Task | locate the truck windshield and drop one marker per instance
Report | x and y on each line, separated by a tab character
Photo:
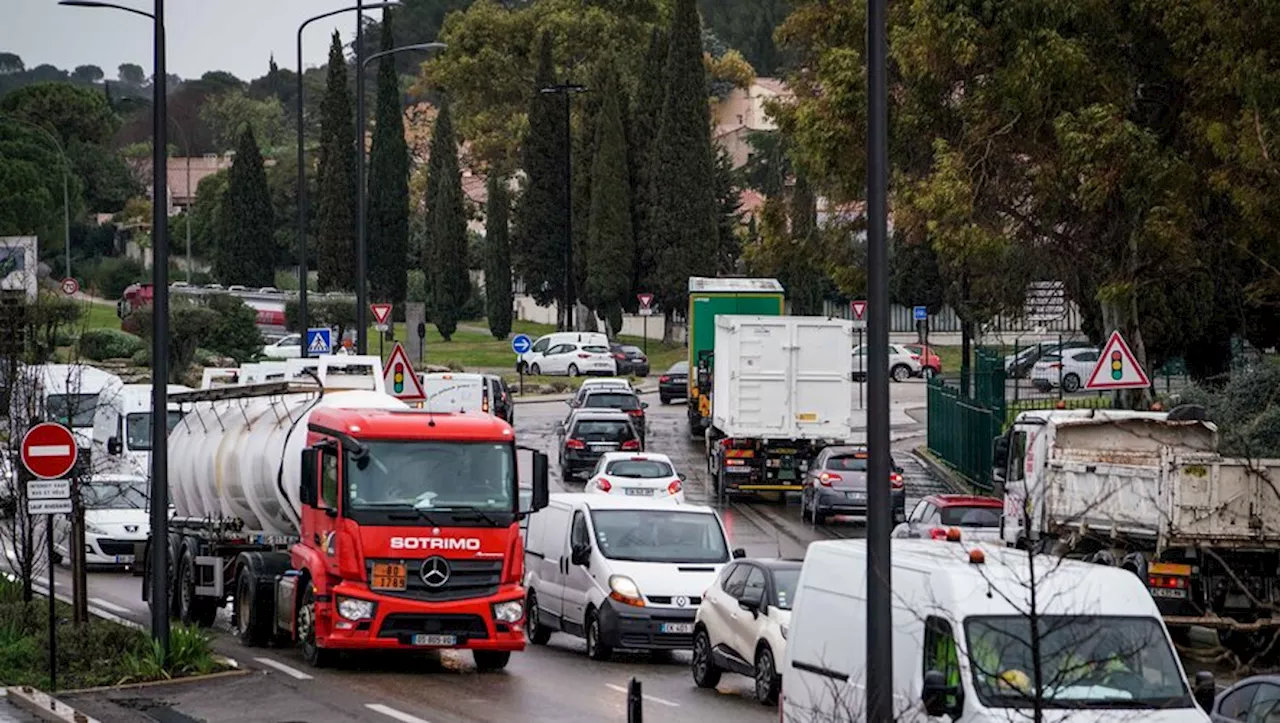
659	536
428	476
1086	662
73	410
137	429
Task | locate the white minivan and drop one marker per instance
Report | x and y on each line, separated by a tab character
542	344
122	427
961	638
622	573
67	394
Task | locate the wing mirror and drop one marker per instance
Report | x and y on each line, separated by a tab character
1205	689
739	553
581	554
307	490
114	447
934	693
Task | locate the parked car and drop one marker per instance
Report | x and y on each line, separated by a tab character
543	344
902	364
628	474
503	405
1018	366
977	517
286	347
930	363
612	398
836	484
589	433
1071	369
631	359
575	359
741	626
675	383
1252	699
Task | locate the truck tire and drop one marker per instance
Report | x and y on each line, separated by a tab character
253	626
490	661
538	633
317	656
193	610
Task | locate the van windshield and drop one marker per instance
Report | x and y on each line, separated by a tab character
73	410
1086	661
659	536
137	429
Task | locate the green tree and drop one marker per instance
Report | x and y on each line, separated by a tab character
226	114
497	258
609	233
236	332
450	283
30	183
388	216
685	218
108	182
246	254
729	214
644	131
207	218
337	174
89	74
73	113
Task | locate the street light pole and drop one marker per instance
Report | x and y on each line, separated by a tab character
362	288
569	296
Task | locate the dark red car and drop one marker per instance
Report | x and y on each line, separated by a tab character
978	518
930	363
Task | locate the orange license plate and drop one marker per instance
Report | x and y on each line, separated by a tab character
388	576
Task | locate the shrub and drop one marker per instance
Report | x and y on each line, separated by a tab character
236	333
112	276
100	344
141	357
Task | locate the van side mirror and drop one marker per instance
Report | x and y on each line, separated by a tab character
934	693
1205	689
309	488
113	446
580	554
739	553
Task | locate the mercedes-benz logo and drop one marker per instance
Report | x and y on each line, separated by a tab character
681	601
435	571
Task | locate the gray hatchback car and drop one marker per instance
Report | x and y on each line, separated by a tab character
836	484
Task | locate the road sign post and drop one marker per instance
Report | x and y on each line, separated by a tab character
646	310
49	452
381	322
521	343
422	342
859	309
319	340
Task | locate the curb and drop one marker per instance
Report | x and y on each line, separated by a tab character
941	470
44	706
168	681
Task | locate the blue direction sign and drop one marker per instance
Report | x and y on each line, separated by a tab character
521	343
319	341
920	313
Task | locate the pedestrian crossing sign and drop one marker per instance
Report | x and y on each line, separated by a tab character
1117	368
319	341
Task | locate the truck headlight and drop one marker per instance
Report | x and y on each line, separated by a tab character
624	590
508	612
355	609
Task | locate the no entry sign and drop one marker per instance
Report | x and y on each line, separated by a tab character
49	450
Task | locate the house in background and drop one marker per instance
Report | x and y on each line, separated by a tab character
743	112
186	173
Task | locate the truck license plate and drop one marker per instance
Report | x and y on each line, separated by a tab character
435	640
678	628
388	576
124	559
1168	592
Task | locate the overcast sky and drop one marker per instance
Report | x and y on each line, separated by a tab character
237	36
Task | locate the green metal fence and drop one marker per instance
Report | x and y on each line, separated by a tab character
961	430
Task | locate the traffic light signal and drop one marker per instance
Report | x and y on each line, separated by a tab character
397	381
1117	366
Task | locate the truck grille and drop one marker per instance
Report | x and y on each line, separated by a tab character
467	579
466	627
115	547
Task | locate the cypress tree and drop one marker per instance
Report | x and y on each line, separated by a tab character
538	221
388	213
684	230
644	131
449	284
337	178
244	254
802	271
497	258
609	233
584	153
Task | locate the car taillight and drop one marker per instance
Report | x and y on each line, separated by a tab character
631	444
895	479
636	412
620	357
826	478
937	533
664	379
674	487
915	357
603	484
583	356
575	444
1055	366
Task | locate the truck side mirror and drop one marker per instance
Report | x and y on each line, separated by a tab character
309	487
113	446
1205	689
934	693
541	486
1000	452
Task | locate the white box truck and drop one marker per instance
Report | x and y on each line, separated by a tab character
782	389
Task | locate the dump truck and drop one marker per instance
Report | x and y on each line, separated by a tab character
332	516
782	390
1149	492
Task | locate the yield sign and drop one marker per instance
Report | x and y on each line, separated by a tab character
1117	368
399	377
49	450
646	300
859	308
381	312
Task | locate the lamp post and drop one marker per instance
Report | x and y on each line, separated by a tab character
362	248
566	90
302	170
158	558
66	169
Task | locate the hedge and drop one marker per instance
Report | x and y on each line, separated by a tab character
100	344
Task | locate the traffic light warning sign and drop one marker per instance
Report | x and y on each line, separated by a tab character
400	378
1117	368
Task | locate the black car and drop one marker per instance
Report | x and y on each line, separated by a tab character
589	433
623	400
503	405
836	484
675	383
631	360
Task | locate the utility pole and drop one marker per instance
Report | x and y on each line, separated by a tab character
362	250
570	297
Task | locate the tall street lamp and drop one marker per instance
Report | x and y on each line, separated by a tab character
362	248
159	552
302	170
567	90
66	170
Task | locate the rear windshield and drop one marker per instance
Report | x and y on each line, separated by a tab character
639	469
603	430
848	463
632	350
971	516
596	349
613	401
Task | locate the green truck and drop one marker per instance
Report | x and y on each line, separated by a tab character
709	298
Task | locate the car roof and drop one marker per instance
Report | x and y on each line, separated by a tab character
599	413
613	502
629	456
774	563
606	382
965	501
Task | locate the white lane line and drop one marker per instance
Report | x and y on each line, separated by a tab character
109	605
393	713
49	450
286	669
646	696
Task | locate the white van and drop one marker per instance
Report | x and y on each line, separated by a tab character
122	428
455	392
961	639
620	572
543	343
68	394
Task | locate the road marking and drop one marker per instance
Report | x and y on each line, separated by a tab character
393	713
49	450
109	605
286	669
646	696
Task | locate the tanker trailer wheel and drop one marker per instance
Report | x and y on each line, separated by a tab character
193	610
315	655
252	621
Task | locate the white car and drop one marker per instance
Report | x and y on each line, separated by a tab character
742	624
115	520
903	364
1071	369
574	359
543	344
630	474
287	347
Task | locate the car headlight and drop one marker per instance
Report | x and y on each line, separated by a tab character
93	529
624	590
355	609
508	612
